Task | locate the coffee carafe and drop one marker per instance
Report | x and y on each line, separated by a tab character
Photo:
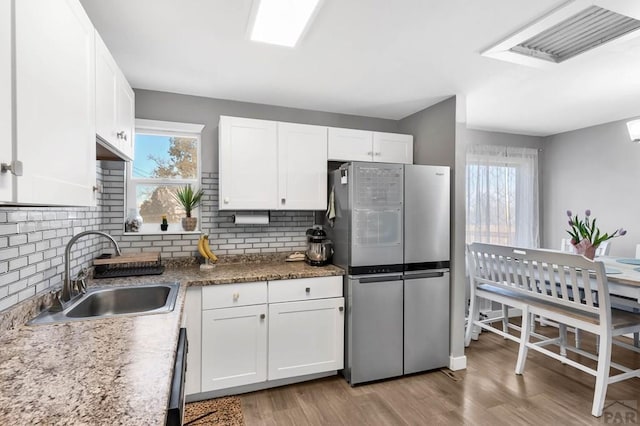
319	248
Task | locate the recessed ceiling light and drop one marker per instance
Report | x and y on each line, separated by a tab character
281	22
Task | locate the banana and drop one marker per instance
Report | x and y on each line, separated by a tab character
207	249
201	250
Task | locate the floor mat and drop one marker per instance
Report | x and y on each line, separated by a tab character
225	411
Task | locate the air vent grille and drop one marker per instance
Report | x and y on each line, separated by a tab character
584	31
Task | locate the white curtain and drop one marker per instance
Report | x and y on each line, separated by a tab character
502	195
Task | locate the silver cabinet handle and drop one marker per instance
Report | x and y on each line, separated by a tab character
122	135
226	201
370	153
307	290
15	167
377	154
262	316
283	201
341	308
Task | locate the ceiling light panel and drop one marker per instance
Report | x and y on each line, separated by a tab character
281	22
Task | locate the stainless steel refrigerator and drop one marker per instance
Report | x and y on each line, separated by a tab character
391	234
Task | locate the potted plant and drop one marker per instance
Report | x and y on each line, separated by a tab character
586	236
164	225
189	199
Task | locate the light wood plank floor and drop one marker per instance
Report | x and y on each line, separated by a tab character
487	393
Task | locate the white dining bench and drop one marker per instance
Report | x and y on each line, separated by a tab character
544	283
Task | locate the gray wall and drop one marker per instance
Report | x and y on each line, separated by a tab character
154	105
595	168
434	131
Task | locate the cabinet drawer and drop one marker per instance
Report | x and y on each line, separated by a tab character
305	289
229	295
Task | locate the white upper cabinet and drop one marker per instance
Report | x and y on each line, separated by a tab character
115	105
6	114
392	148
266	165
248	167
362	145
302	167
55	103
350	145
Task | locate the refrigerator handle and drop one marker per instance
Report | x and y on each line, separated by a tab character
380	279
424	275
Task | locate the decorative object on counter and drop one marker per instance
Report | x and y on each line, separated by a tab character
189	199
164	225
127	265
319	247
586	236
205	251
296	257
133	222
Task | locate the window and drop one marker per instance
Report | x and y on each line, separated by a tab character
502	195
166	156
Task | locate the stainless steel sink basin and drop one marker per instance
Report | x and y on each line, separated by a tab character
106	302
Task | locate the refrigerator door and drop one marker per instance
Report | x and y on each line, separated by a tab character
426	321
376	199
374	328
426	214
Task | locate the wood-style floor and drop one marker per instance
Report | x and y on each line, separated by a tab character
487	393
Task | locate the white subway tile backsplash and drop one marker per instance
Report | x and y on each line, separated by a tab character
32	240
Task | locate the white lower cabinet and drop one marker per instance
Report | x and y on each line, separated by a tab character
251	333
234	347
305	337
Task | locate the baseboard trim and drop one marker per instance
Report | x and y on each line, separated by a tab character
457	363
256	386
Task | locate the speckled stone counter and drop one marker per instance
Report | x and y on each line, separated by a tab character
109	371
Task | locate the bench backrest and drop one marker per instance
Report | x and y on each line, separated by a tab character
548	276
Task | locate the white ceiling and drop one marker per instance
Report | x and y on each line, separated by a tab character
376	58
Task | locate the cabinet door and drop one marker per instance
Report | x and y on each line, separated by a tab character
234	347
6	115
302	167
306	337
55	103
248	165
392	148
350	145
125	116
106	69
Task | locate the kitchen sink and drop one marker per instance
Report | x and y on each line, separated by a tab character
108	302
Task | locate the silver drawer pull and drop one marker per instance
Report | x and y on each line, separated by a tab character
307	290
262	316
236	296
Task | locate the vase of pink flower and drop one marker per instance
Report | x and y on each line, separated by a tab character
586	236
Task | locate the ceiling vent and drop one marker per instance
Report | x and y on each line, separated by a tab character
568	31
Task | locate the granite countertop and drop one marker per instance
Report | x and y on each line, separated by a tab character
108	371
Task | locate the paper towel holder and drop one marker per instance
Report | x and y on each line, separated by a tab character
251	218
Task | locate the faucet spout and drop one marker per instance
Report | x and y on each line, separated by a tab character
66	285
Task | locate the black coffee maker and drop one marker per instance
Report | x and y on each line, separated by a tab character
319	248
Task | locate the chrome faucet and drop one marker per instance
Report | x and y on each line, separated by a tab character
67	285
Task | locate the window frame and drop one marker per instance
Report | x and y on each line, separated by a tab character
171	129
